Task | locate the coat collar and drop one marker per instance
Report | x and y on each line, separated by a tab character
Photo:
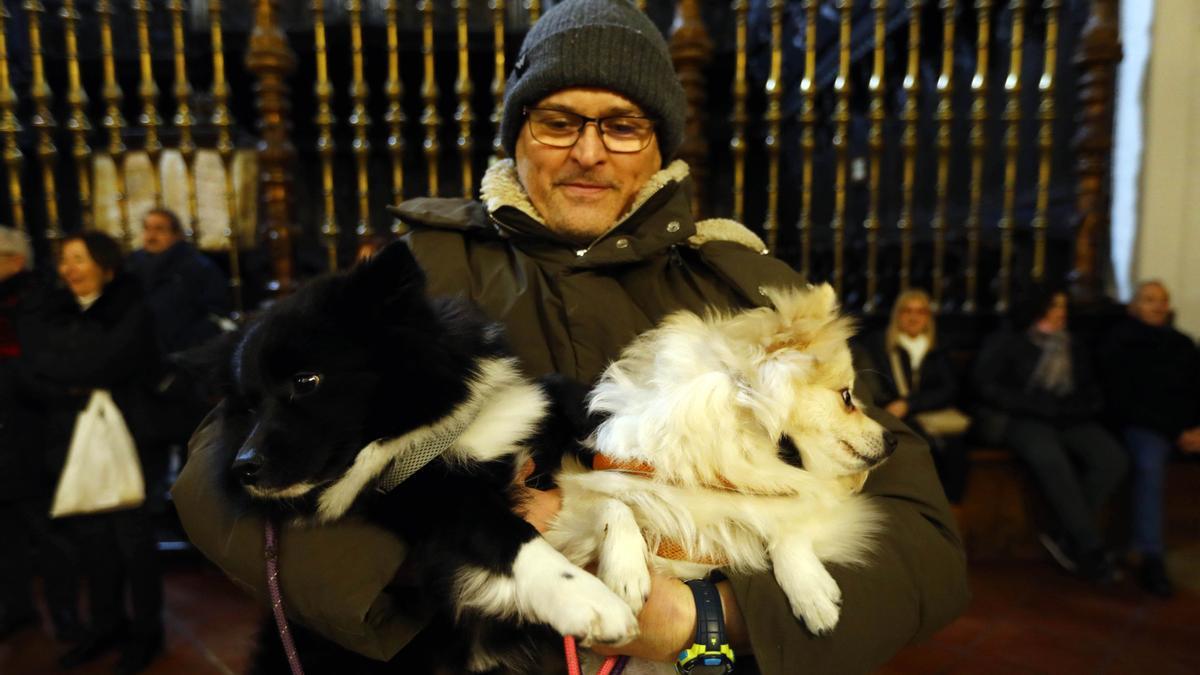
660	218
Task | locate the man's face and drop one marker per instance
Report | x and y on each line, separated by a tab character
157	233
582	191
1151	305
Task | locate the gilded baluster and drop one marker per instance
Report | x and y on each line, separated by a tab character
464	90
184	120
841	143
223	121
429	94
908	141
498	82
979	88
737	144
1095	58
945	115
148	91
43	121
325	144
1012	121
77	121
271	60
9	128
691	50
534	7
113	122
395	118
875	87
773	118
360	120
808	119
1046	113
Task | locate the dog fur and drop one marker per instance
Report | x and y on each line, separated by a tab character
331	385
720	407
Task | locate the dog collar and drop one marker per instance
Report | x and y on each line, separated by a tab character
412	457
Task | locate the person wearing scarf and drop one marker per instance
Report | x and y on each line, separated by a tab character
1039	393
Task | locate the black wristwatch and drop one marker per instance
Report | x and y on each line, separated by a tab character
710	653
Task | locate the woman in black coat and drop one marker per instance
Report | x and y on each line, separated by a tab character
908	373
1038	389
98	334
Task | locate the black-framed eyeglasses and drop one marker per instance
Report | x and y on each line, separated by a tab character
562	129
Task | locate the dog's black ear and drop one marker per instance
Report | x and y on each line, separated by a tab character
209	362
390	275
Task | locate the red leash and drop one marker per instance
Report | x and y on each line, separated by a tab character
613	665
271	548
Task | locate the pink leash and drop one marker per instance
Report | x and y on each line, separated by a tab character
271	548
612	665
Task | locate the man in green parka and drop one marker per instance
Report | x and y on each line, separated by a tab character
580	243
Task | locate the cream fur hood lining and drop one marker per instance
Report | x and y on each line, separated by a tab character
501	187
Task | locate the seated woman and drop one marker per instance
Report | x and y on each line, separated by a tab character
1036	385
908	374
1152	378
97	333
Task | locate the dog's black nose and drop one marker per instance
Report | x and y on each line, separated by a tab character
889	443
247	465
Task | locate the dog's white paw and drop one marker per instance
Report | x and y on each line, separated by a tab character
814	595
556	592
626	573
820	607
621	561
587	609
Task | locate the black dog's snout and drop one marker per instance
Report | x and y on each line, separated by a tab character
889	443
247	465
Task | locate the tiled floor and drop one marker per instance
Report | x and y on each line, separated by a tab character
1024	618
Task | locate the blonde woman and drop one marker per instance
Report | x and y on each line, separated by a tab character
910	377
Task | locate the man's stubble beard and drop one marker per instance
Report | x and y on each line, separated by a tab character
583	222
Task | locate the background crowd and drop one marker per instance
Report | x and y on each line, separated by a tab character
103	323
1084	416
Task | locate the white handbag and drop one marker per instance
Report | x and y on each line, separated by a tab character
102	471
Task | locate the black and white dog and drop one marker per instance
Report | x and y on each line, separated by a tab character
358	395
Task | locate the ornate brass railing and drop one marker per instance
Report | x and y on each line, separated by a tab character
926	190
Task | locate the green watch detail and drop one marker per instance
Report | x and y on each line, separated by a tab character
710	653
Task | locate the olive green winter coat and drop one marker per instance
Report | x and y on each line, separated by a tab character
569	310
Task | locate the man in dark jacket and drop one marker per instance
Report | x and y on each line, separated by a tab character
185	290
1152	378
580	243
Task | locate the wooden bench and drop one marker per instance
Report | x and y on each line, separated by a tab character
1001	511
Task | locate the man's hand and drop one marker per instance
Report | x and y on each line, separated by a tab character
538	507
898	408
668	619
1189	440
668	622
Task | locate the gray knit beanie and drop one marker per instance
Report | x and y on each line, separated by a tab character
607	44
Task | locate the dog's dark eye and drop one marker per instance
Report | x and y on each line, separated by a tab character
847	399
304	384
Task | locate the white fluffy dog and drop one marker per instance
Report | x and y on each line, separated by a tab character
702	416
